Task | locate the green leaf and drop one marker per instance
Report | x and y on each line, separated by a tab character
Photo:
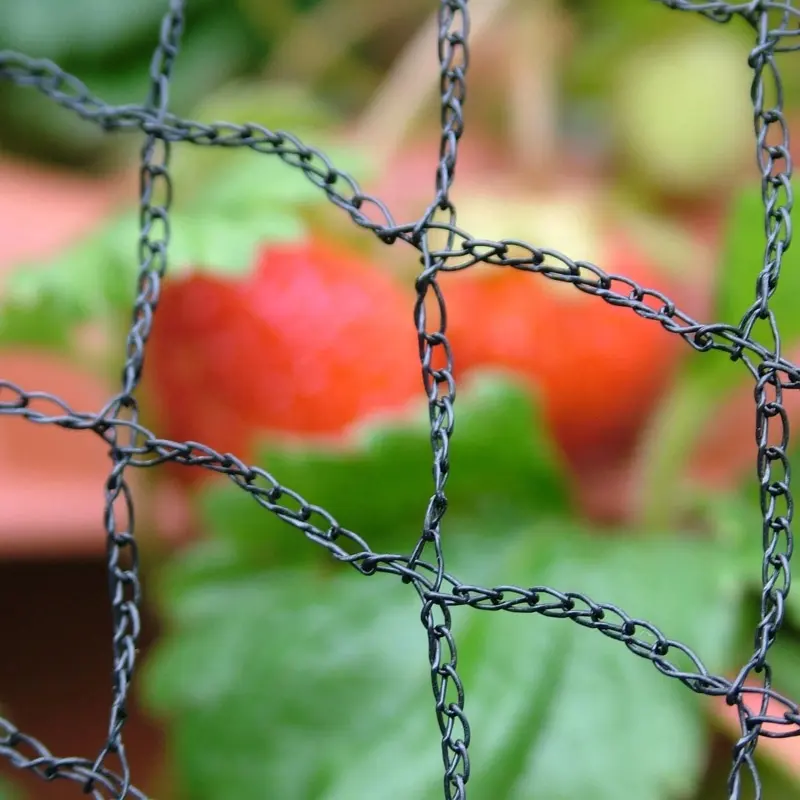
221	245
318	686
9	792
227	203
249	183
609	30
504	468
221	216
737	518
278	106
40	322
213	50
41	303
218	228
235	180
704	382
244	182
706	378
743	259
52	29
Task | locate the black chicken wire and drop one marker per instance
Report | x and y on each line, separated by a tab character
777	30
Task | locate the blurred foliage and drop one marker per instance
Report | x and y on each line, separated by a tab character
276	670
345	657
217	224
609	28
707	379
497	420
8	792
742	261
110	49
340	50
109	46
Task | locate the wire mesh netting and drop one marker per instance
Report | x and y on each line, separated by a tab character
443	246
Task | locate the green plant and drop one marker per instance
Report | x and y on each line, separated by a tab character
276	668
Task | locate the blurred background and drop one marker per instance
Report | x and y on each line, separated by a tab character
615	131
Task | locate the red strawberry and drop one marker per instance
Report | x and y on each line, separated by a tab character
598	369
313	340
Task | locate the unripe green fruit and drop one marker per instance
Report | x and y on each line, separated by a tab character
683	113
568	222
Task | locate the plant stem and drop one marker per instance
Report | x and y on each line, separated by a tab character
536	38
319	38
665	451
411	83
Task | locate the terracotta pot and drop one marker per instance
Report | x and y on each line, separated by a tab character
52	478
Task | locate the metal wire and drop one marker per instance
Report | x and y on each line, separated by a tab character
132	445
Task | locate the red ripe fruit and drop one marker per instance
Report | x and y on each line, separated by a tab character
314	340
598	369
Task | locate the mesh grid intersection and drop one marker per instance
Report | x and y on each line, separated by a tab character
776	27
